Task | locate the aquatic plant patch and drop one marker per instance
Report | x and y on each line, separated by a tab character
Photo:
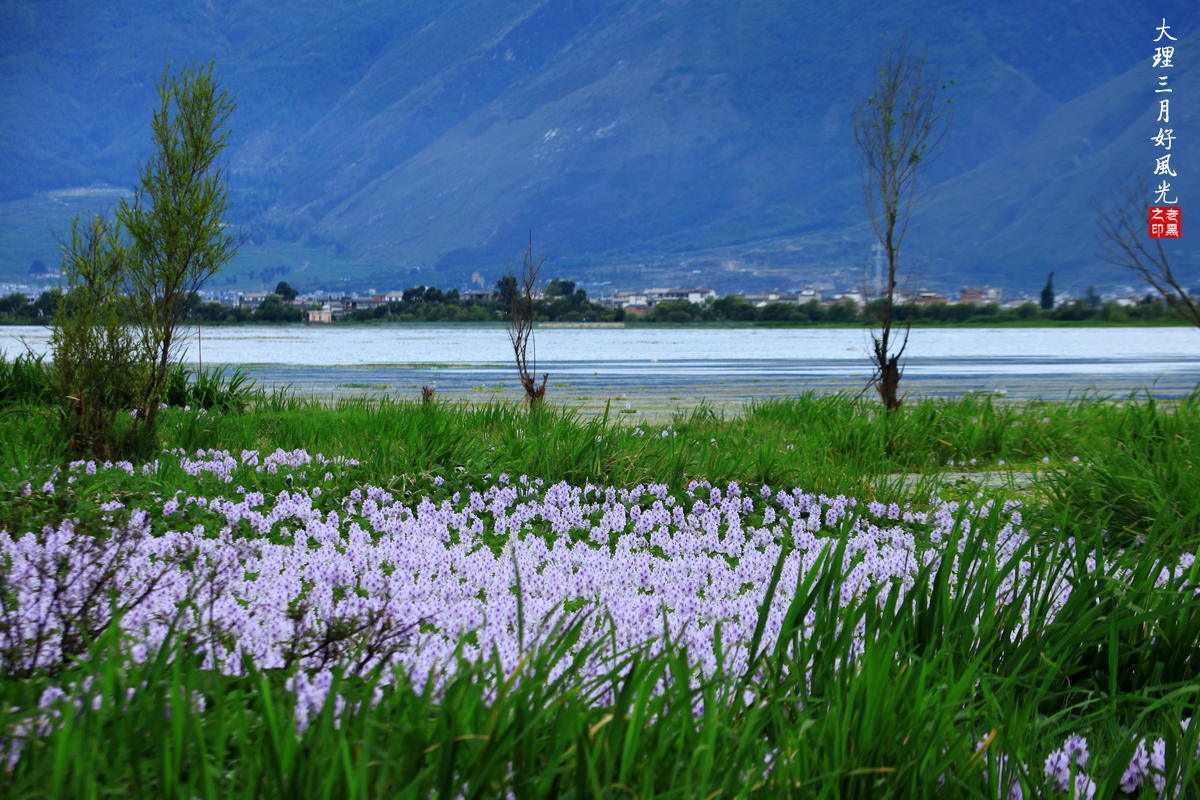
281	562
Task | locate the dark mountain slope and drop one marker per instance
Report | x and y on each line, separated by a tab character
1028	207
624	132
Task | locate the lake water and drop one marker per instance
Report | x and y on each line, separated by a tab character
652	367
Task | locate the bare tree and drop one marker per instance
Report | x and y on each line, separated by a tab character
1122	233
520	325
898	129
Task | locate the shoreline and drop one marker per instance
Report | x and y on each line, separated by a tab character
638	325
648	398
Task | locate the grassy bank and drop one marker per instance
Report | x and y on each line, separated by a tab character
378	599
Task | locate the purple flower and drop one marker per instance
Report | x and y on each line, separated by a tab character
295	563
1059	764
1137	770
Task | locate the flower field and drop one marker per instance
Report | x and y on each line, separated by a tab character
396	601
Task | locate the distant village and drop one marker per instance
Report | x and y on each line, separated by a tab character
322	307
638	303
807	304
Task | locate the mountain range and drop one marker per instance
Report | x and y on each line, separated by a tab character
643	142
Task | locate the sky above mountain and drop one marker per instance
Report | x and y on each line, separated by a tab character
389	141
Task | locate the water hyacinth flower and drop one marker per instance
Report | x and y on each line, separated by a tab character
416	578
1073	757
1138	769
1158	763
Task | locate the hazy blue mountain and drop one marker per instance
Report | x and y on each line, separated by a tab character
403	142
1030	204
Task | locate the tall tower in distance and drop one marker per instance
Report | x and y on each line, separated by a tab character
877	249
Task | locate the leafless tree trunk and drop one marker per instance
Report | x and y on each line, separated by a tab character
898	129
1122	233
520	327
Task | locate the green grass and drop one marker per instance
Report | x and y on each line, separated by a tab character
1122	465
951	663
23	381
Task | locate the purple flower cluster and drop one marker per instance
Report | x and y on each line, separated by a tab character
222	464
1150	766
1067	770
283	579
1072	757
1146	766
91	467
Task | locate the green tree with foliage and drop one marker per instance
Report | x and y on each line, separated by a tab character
845	311
781	312
559	288
96	368
46	303
735	307
1048	294
286	292
176	223
212	312
506	289
272	309
680	310
16	306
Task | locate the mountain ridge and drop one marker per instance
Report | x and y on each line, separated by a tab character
394	140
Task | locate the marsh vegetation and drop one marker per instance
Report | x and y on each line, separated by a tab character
376	599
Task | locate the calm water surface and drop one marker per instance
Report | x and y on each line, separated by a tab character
725	364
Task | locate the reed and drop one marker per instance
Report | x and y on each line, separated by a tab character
24	381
